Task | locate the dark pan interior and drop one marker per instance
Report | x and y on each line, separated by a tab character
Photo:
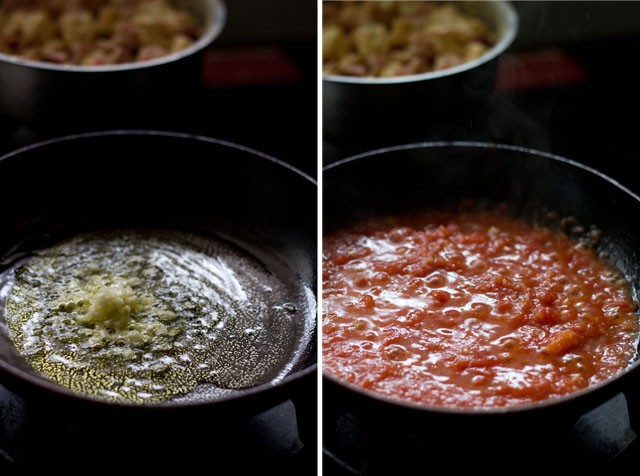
531	183
152	179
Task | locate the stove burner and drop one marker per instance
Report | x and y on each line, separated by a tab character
605	431
601	439
270	442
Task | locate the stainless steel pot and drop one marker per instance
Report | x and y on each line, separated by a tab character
357	108
41	93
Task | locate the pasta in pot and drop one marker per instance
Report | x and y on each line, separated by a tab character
94	32
394	38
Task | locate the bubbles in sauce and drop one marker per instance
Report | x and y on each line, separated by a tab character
471	308
151	316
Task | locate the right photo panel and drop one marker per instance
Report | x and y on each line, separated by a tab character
480	236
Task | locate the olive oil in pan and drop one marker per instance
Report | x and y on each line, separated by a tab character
151	316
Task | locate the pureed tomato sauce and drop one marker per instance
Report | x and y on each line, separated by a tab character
471	308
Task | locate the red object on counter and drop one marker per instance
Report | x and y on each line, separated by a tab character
538	69
248	66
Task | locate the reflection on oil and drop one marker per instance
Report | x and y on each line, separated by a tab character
149	316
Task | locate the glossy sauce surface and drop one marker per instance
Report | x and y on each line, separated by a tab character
471	308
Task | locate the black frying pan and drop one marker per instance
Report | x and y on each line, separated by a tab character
156	179
374	434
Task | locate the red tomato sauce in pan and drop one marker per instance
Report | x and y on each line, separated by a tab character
471	309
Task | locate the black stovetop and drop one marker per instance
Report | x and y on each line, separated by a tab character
602	441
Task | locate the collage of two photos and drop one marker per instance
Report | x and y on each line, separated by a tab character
339	237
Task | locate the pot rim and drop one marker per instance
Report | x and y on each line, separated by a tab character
522	409
49	388
510	25
213	30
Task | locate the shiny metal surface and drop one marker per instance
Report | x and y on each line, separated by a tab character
355	107
37	91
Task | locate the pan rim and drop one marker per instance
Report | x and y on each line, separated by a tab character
156	133
483	146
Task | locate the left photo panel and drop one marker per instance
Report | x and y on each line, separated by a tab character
158	253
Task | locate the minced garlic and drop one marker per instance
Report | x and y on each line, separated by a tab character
111	308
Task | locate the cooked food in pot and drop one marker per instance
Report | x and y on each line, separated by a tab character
148	316
95	32
472	308
396	38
